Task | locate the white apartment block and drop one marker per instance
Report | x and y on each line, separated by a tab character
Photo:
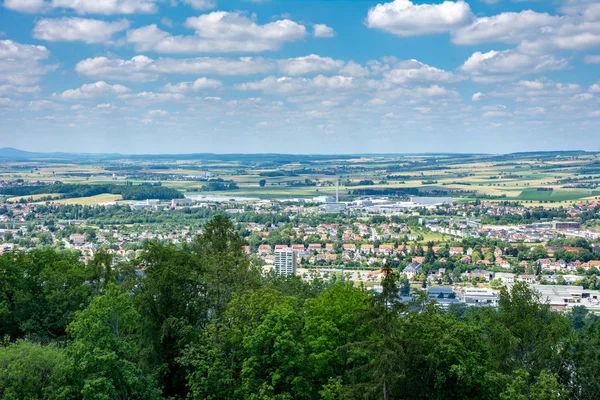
285	262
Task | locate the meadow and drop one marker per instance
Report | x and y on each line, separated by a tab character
530	178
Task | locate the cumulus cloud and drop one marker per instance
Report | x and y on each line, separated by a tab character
144	69
28	6
543	92
91	91
196	86
404	18
323	31
77	29
138	69
570	35
288	85
414	71
219	32
497	66
22	64
477	97
201	4
508	27
157	113
105	7
309	65
152	97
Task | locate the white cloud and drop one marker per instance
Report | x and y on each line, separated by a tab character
17	90
508	27
595	88
144	69
497	66
10	50
570	35
152	97
542	92
92	90
416	93
323	31
496	114
38	105
214	65
105	7
157	113
28	6
201	4
77	29
403	18
137	69
477	96
20	64
219	32
354	69
309	65
287	85
196	86
415	71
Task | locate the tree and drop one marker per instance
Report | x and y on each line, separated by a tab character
31	371
333	322
102	355
262	182
275	366
40	291
216	361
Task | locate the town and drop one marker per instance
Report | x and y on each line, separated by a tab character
455	252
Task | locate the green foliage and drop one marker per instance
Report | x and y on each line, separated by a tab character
31	371
40	292
102	356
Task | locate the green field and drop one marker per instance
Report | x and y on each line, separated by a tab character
555	195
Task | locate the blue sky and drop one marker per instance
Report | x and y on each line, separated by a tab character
183	76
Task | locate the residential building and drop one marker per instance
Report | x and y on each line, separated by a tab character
285	262
412	270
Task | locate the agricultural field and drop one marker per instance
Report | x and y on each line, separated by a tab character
548	179
90	200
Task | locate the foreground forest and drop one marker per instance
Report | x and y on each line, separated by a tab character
201	322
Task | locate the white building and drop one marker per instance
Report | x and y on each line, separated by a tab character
285	262
181	202
333	207
431	201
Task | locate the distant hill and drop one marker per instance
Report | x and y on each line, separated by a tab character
9	153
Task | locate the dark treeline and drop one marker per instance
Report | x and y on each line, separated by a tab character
201	322
123	214
66	190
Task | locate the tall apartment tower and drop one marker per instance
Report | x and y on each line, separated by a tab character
285	262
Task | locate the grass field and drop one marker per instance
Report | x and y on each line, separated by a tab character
33	197
88	201
533	194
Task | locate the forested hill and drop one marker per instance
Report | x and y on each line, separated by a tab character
200	322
